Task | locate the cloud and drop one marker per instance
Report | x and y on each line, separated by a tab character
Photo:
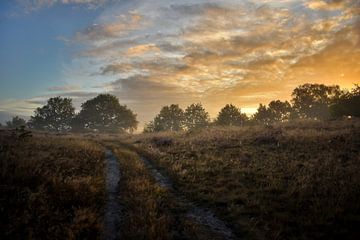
153	53
326	4
121	25
66	88
142	49
35	5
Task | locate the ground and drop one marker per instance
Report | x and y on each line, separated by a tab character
296	180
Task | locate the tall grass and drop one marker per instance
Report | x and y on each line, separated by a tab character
151	211
289	181
50	188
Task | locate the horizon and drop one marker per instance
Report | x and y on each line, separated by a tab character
154	54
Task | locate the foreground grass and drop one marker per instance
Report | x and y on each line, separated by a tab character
50	188
151	211
291	181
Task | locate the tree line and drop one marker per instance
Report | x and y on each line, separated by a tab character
309	101
104	113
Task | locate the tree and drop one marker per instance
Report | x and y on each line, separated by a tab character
196	116
280	111
56	115
277	111
170	118
16	122
231	116
348	104
263	115
104	113
313	100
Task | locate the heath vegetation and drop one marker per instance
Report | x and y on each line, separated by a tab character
290	171
52	187
296	180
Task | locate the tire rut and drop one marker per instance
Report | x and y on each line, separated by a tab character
201	215
112	216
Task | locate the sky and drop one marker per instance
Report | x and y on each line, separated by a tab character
155	53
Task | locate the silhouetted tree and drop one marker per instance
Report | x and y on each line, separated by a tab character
263	115
104	113
231	116
313	100
280	111
16	122
348	104
196	117
77	124
56	115
277	111
170	118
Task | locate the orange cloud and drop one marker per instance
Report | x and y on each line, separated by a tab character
142	49
243	54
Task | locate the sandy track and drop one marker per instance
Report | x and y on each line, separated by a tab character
112	206
201	215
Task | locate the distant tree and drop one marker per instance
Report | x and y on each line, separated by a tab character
149	127
280	111
77	124
56	115
313	100
348	104
104	113
230	116
196	117
170	118
16	122
263	115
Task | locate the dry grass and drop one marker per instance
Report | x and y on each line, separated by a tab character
50	187
151	211
292	181
146	215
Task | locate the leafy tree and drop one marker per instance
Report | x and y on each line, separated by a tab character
149	127
16	122
277	111
196	116
104	113
77	124
280	111
231	116
56	115
348	104
263	115
313	100
170	118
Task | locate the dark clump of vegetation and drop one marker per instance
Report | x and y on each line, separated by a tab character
103	113
51	187
295	180
16	122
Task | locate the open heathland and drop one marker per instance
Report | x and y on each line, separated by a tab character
51	187
298	180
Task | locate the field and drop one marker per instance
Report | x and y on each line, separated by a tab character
51	187
292	181
296	180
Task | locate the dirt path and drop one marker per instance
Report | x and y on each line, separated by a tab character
201	215
112	205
